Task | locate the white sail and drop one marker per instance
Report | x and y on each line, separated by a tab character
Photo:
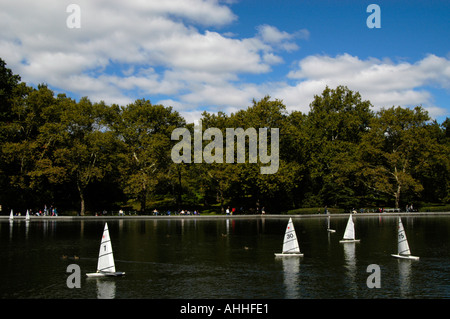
403	247
402	244
349	234
350	229
11	215
105	256
105	265
27	217
290	244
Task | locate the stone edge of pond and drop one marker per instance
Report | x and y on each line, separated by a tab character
268	216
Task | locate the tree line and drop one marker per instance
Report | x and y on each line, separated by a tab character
89	157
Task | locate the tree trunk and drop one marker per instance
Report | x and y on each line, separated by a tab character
399	187
397	196
82	200
180	189
143	201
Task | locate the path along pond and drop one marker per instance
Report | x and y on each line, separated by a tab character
225	257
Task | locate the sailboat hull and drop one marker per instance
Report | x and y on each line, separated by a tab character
410	257
105	274
344	241
289	255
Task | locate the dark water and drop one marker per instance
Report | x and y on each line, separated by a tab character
225	258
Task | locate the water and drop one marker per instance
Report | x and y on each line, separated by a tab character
203	258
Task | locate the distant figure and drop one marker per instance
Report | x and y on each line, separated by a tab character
326	210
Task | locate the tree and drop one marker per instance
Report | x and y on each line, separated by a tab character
242	184
335	125
397	145
145	131
8	84
21	151
84	145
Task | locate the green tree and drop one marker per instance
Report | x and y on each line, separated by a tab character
434	172
84	145
20	150
335	125
242	184
8	84
145	131
397	147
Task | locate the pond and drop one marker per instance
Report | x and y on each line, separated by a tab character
226	257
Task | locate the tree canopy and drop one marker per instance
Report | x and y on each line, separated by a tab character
89	157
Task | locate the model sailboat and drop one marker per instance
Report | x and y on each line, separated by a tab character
290	243
403	247
349	234
27	216
105	266
328	225
11	215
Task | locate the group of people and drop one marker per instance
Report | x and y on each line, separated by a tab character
179	212
52	211
409	208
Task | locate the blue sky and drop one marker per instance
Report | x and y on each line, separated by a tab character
198	55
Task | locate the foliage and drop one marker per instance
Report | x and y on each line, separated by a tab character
90	157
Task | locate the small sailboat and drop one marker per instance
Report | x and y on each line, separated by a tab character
328	226
11	215
105	266
403	247
290	243
27	216
349	234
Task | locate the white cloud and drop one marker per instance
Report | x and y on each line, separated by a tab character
281	40
271	34
152	47
383	82
168	50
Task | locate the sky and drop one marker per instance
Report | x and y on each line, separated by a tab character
213	55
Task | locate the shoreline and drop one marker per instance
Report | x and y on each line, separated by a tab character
268	216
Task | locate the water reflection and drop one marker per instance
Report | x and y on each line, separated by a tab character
27	228
291	272
106	289
11	226
404	269
350	265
